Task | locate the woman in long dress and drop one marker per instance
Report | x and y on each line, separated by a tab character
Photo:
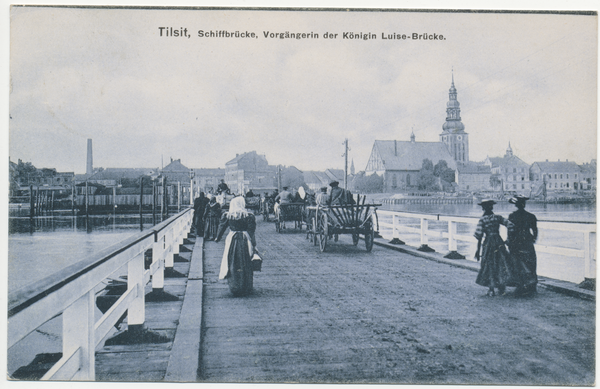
520	244
212	214
236	264
496	269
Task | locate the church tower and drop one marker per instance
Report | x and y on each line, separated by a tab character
453	135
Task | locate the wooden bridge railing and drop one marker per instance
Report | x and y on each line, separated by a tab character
72	293
393	224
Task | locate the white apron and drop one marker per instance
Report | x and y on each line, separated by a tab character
225	261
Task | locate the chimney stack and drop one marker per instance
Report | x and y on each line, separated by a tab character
89	170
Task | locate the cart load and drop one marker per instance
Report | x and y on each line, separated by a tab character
354	219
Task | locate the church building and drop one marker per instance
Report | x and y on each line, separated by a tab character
399	162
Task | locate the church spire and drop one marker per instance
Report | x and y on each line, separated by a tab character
412	137
509	152
454	136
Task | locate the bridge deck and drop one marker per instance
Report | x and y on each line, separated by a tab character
384	317
347	316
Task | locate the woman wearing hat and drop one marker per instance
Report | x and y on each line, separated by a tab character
520	243
495	270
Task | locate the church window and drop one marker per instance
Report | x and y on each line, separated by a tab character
522	186
561	176
555	176
575	175
567	184
514	169
407	179
514	178
567	176
459	137
522	178
394	181
514	186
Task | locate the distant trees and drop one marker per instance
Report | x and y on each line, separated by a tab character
432	177
367	184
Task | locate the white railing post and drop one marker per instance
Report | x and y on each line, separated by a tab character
589	249
424	239
158	278
451	234
78	333
135	279
168	247
452	246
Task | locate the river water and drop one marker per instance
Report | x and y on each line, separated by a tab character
51	243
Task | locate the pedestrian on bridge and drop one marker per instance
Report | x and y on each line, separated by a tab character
240	244
496	269
212	214
521	246
200	204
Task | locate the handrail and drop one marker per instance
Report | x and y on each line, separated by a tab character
71	292
587	252
27	295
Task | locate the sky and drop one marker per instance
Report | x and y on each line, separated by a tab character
107	75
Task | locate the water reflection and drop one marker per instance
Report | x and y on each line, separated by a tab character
45	224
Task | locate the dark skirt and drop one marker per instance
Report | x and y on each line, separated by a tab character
496	269
211	227
525	260
239	275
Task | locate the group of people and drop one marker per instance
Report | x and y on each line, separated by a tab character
501	267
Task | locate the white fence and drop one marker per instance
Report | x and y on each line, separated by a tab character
72	293
566	251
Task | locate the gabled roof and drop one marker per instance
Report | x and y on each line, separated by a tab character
251	154
176	166
473	168
511	160
323	178
402	155
558	166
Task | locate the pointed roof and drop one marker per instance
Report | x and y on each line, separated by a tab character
402	155
558	167
453	122
176	166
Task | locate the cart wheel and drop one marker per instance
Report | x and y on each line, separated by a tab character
323	233
355	239
369	236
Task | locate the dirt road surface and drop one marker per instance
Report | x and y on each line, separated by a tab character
347	316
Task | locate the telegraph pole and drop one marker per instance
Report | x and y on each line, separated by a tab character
346	164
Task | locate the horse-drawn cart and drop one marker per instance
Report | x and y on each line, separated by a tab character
333	220
254	204
289	212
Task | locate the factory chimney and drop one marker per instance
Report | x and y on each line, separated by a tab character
90	165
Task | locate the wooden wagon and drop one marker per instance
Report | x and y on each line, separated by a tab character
287	213
333	220
254	204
